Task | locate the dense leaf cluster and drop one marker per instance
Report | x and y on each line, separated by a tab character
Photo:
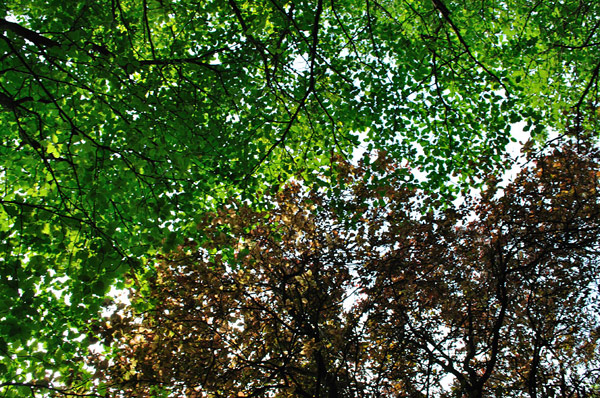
496	297
122	121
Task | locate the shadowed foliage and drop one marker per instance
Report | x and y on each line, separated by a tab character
123	121
358	295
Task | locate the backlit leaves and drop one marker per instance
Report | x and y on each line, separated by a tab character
124	121
495	296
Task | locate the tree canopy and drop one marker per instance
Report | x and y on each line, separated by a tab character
124	122
496	297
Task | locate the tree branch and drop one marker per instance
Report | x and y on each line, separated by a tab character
441	7
32	36
40	40
586	91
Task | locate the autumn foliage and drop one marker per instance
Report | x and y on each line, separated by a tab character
361	294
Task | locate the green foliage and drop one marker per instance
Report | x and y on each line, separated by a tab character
123	121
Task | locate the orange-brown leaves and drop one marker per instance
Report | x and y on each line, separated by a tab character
258	308
356	293
500	300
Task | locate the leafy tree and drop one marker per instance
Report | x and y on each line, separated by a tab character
506	304
358	295
123	120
